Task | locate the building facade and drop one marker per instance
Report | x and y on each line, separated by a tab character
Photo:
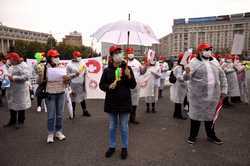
139	51
216	30
73	39
9	35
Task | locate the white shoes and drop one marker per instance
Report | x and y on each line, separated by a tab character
39	109
50	138
59	135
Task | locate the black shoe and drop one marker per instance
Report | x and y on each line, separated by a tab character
86	113
8	125
110	152
124	153
71	118
191	140
147	110
215	140
180	117
17	125
134	122
154	111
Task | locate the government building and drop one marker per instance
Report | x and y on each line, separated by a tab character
9	35
219	31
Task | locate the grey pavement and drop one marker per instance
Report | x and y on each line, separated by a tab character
158	141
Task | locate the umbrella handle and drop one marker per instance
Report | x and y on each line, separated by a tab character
128	39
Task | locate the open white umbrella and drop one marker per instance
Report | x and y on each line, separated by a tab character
126	32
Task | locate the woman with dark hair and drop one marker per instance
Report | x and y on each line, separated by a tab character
117	80
178	90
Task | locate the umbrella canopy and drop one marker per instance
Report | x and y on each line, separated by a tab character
117	32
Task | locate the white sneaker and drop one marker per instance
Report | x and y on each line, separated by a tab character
32	97
59	135
39	109
50	138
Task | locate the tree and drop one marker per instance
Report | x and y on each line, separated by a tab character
51	42
28	49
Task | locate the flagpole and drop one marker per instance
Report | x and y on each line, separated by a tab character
128	31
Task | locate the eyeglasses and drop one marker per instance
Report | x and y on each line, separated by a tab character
208	49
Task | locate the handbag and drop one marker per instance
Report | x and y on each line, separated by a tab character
41	89
172	78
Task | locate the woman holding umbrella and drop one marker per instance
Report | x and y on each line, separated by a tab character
117	80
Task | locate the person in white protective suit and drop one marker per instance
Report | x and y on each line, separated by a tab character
178	90
155	75
77	72
206	87
232	80
138	70
242	80
164	68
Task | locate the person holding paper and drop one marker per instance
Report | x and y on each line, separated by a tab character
178	91
206	87
57	81
154	70
164	68
18	94
233	85
138	70
117	80
77	73
242	79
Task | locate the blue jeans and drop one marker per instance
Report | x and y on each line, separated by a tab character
123	124
55	108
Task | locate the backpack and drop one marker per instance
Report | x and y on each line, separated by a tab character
172	78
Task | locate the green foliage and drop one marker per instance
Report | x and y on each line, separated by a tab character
29	49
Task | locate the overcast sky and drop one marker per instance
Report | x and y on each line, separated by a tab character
60	17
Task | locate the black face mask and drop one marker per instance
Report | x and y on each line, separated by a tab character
205	57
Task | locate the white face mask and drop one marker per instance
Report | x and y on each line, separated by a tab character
229	60
118	58
207	54
8	62
78	59
56	60
237	61
131	56
152	62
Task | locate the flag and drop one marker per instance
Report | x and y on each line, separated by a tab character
217	111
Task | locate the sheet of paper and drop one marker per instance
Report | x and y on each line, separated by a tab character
56	74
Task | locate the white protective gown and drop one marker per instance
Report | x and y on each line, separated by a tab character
155	76
207	82
232	80
178	90
77	84
18	94
242	80
164	68
135	93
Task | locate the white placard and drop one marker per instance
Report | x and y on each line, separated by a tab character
238	44
56	73
185	58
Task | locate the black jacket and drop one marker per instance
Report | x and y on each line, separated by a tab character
118	99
